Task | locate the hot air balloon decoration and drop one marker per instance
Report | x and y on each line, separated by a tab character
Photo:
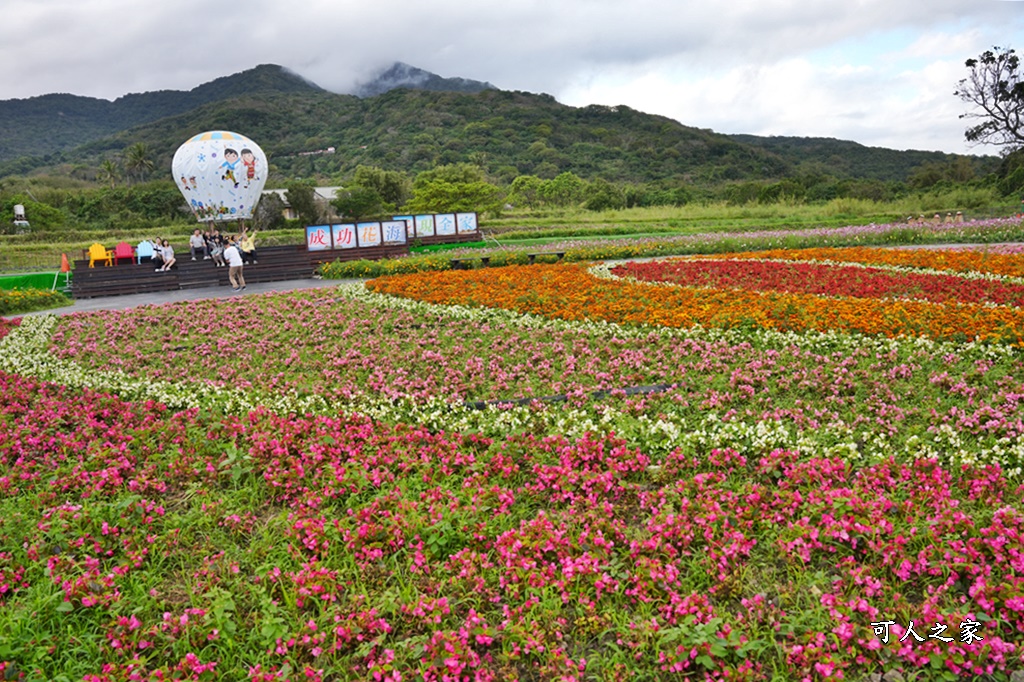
221	175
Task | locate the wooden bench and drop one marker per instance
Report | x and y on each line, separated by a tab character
457	263
558	254
460	263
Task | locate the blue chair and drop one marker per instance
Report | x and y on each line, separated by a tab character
143	250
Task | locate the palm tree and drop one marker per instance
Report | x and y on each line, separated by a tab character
136	160
110	172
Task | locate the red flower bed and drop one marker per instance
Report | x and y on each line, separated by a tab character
826	280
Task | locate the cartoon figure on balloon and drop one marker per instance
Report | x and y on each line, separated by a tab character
229	166
249	161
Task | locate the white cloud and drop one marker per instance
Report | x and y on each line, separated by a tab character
877	71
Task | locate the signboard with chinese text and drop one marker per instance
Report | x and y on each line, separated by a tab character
424	225
344	236
393	231
466	222
318	237
399	231
368	234
445	223
410	225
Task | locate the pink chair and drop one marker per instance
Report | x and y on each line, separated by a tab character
123	250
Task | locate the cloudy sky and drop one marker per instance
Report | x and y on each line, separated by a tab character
880	72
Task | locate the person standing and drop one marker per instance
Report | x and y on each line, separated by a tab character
234	261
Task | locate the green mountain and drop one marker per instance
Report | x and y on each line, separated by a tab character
846	159
401	75
309	132
38	126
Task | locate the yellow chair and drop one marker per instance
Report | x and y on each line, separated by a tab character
98	252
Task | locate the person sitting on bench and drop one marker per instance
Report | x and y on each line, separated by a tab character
167	253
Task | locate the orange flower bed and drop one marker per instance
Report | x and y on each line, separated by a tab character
570	292
1009	265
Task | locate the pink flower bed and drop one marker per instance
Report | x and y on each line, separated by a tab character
189	546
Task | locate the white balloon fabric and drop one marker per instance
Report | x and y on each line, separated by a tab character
221	175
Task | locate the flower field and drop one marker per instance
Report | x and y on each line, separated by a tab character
955	260
573	293
526	473
987	231
826	280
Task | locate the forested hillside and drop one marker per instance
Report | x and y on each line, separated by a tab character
39	126
844	158
507	134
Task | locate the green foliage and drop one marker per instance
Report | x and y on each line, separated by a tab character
456	174
358	202
440	196
393	187
149	201
40	216
525	191
269	213
567	189
109	172
137	161
378	268
930	173
603	195
1011	175
300	195
821	158
454	187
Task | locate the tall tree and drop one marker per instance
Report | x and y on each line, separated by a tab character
269	212
110	172
995	89
301	196
358	202
393	187
136	160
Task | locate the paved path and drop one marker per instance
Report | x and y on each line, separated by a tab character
160	297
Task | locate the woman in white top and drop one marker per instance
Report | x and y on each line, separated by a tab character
168	254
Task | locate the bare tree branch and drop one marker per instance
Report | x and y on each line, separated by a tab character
996	93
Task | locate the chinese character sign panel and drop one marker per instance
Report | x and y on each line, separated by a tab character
394	231
410	226
318	238
445	224
344	236
466	222
369	234
424	226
